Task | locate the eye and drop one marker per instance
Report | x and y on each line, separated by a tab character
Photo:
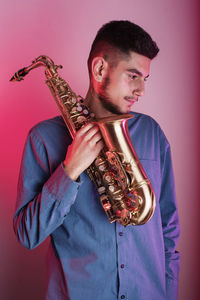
132	76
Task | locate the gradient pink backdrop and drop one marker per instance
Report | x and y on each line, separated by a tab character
64	30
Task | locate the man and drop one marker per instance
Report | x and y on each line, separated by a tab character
89	258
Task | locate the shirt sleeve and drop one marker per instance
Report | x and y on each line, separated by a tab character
44	197
170	224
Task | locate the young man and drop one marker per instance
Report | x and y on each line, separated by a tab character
89	258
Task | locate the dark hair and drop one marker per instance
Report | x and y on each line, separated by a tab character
123	36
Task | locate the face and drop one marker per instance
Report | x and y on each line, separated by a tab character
124	84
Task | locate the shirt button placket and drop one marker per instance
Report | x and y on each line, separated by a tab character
122	265
122	261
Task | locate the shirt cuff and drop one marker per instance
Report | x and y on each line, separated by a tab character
172	289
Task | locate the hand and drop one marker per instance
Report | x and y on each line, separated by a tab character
85	147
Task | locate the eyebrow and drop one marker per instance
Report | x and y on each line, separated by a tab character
137	72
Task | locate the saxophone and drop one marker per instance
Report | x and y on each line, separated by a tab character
125	191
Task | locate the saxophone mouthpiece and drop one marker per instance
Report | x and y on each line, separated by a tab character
19	75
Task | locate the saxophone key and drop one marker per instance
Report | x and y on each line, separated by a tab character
105	202
79	108
101	189
81	119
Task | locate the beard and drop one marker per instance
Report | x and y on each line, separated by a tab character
105	99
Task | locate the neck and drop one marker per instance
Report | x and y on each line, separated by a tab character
94	105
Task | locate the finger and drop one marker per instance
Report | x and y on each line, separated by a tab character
90	134
99	146
95	138
85	128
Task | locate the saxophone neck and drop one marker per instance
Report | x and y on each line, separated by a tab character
42	60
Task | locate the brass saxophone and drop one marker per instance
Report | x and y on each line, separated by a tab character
125	191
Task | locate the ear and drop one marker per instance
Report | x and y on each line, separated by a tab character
99	68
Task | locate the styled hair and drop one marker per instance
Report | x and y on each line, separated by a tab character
123	37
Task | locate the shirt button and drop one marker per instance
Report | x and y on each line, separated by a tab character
123	297
120	233
122	266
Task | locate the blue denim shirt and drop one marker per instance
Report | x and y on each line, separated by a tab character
88	257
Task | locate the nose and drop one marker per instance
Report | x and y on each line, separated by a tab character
139	89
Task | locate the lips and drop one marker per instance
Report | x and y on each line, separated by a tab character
130	99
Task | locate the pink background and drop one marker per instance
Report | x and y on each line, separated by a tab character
64	30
